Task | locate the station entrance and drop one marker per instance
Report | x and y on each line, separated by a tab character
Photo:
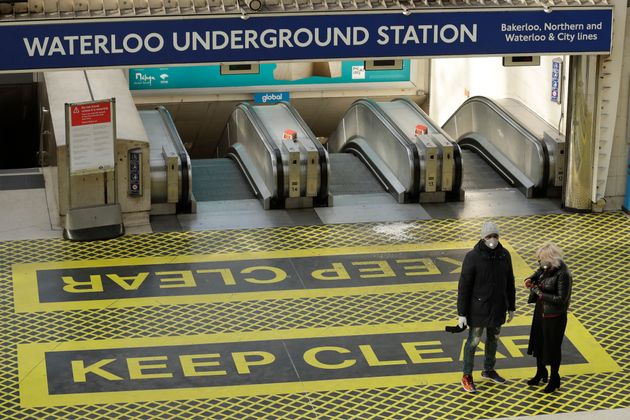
20	118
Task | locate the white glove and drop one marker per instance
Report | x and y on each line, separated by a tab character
510	316
462	321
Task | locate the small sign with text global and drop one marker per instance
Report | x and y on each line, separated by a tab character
182	40
271	97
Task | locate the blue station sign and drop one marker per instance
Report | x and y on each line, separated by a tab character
156	41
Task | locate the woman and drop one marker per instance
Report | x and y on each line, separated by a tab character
550	289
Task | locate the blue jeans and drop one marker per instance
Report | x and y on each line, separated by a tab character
490	356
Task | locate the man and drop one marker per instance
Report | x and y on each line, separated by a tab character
485	293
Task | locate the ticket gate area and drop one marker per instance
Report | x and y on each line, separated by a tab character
297	322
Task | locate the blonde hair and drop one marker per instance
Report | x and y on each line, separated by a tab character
550	253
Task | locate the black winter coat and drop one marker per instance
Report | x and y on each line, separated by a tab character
486	286
556	286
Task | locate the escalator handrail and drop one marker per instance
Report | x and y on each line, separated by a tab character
502	113
270	145
423	114
391	126
323	155
178	144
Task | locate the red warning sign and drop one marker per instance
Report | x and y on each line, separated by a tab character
92	113
421	129
289	134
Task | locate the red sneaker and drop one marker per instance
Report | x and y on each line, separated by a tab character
468	384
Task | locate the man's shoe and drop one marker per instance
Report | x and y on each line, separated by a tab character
468	384
493	375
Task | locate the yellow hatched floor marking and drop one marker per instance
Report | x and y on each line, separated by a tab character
26	291
596	248
33	375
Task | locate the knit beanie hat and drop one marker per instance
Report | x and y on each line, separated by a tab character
488	228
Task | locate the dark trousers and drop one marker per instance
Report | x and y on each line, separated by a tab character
490	353
545	340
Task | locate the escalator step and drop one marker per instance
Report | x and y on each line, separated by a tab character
350	176
478	175
219	179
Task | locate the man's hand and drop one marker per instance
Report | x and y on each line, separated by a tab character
462	321
510	316
528	283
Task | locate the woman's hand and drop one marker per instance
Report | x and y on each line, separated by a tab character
537	290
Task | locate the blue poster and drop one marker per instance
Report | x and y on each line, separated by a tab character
167	40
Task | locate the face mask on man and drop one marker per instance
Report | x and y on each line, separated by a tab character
491	242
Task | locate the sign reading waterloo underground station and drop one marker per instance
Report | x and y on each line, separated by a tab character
37	45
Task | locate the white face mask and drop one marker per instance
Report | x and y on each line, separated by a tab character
491	242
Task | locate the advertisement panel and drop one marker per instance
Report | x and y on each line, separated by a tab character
193	77
315	37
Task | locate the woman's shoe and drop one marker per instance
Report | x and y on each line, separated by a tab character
554	383
541	375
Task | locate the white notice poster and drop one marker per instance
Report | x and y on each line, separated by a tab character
91	137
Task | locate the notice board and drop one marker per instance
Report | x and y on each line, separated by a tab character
90	134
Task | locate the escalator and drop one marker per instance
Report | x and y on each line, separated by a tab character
265	152
522	150
408	155
279	155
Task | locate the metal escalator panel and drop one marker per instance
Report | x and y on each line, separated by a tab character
279	155
246	141
367	131
350	176
483	126
305	161
171	187
406	117
546	134
439	156
220	179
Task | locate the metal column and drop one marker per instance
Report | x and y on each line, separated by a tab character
581	130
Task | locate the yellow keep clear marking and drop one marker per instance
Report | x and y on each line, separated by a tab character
34	390
26	292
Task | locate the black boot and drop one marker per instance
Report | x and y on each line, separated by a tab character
554	383
541	375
